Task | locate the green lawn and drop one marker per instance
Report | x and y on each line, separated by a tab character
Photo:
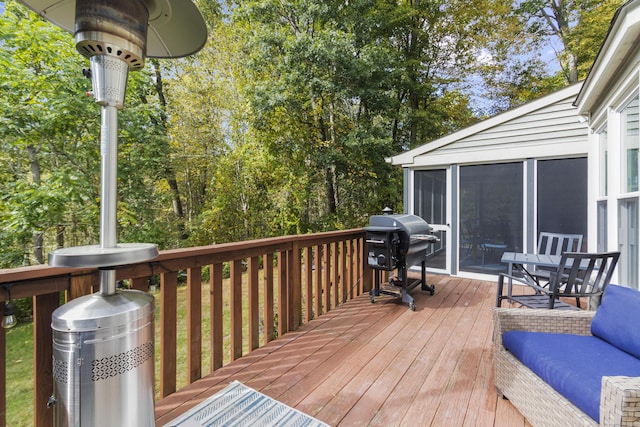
19	365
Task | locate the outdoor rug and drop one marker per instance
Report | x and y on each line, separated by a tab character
238	405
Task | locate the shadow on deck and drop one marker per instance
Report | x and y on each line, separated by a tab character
379	364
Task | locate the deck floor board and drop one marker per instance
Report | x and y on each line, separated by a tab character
379	364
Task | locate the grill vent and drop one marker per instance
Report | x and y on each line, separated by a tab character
112	366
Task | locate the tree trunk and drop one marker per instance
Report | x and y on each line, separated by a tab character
170	174
573	68
60	236
38	235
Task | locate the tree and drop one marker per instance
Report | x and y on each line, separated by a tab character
50	158
44	122
579	25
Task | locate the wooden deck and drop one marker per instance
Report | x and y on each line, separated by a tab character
379	364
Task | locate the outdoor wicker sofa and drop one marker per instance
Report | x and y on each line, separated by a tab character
539	402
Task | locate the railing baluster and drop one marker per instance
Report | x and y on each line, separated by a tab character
317	297
236	309
327	278
254	304
343	270
308	270
216	316
168	332
295	282
290	291
336	273
194	324
267	266
360	265
283	293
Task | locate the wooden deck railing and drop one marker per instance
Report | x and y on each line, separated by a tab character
303	277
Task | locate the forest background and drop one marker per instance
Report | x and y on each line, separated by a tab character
280	125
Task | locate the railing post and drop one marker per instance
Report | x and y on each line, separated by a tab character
139	284
3	376
43	307
81	285
367	273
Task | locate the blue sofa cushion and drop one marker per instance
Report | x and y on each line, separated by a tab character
618	317
573	365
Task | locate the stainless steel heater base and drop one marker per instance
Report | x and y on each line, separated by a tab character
103	363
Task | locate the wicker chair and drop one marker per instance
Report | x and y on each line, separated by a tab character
540	404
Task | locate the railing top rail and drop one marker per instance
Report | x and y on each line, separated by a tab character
34	277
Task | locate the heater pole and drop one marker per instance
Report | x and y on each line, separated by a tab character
108	192
109	176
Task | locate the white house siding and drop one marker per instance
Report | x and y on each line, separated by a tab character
612	81
546	127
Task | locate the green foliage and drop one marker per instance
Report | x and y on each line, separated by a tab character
580	27
281	124
50	159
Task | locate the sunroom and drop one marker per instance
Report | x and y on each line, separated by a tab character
492	187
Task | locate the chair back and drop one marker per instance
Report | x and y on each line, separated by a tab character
583	274
557	243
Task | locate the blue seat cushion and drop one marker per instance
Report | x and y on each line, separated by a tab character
573	365
618	317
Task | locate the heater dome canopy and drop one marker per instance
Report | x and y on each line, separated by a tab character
175	29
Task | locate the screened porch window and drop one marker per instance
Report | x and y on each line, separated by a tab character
491	200
562	196
430	203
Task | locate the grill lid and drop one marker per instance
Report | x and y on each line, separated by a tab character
412	225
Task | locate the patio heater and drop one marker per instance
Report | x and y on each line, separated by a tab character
103	344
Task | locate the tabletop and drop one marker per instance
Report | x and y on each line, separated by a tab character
538	260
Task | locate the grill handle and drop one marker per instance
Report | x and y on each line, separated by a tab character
375	241
428	237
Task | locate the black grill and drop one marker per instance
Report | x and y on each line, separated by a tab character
397	242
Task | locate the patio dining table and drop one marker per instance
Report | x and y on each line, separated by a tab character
521	261
525	264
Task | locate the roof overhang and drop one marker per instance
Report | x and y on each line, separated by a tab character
408	158
621	40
